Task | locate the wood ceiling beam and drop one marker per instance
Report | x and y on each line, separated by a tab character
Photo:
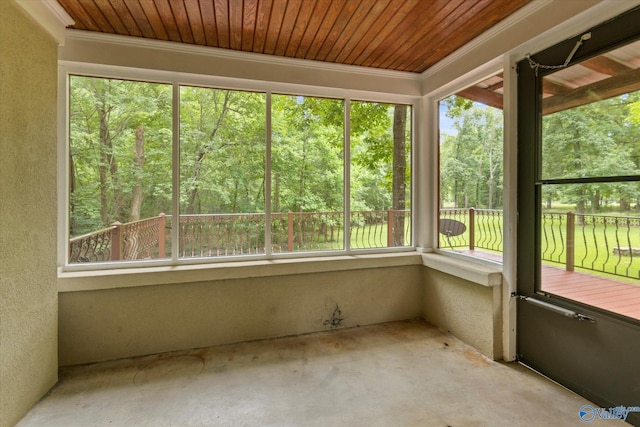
553	88
483	96
604	65
603	89
496	86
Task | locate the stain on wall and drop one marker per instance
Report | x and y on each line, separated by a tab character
335	319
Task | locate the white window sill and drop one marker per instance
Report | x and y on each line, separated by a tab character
161	275
482	274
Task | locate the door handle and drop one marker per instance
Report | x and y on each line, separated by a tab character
559	310
586	318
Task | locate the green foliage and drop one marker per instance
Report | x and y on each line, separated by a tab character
307	155
222	152
471	160
456	106
103	118
372	152
222	131
594	140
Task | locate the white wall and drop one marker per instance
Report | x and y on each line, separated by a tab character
28	288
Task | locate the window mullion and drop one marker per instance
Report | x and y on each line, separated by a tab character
175	199
267	187
347	174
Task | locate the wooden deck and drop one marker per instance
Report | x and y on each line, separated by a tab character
609	294
602	292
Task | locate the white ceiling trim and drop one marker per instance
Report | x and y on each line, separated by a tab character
50	15
255	58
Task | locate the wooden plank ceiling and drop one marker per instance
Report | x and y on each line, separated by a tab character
402	35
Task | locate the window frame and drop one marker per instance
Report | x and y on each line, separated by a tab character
604	38
477	75
176	80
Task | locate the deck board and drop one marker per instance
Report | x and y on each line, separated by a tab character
603	292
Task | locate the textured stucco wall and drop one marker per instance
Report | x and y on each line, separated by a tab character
116	323
122	322
28	288
467	310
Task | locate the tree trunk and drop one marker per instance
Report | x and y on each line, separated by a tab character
108	169
276	193
298	207
399	172
138	163
492	182
456	199
72	189
580	207
103	169
624	204
205	148
595	202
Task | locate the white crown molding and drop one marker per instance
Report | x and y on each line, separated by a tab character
59	12
50	15
213	52
468	49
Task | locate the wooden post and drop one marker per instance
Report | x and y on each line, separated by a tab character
571	239
162	221
290	231
390	228
472	229
116	241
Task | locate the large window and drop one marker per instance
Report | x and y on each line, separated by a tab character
120	166
380	175
222	172
307	173
246	174
471	165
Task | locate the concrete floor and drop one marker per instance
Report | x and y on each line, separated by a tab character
395	374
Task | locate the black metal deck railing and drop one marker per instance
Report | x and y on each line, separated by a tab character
602	243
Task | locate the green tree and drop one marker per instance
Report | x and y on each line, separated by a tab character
592	140
471	159
381	160
110	180
222	149
307	154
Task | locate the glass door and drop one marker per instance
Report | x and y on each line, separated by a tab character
589	182
579	216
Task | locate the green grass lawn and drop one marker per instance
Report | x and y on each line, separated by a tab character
594	246
362	237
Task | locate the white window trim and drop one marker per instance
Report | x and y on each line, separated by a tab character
67	68
489	69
